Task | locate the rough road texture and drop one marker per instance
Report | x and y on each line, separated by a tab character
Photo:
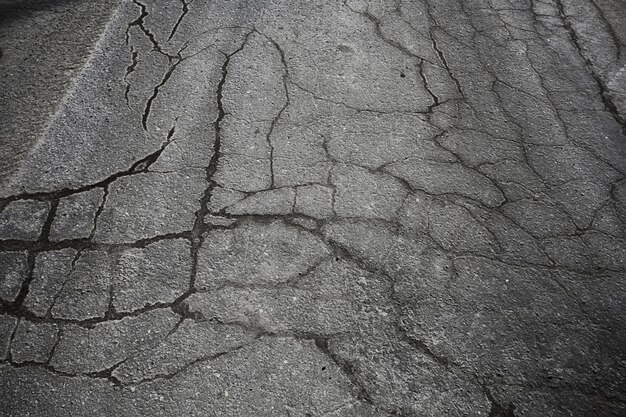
325	208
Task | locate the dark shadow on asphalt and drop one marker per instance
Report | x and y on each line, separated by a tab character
19	9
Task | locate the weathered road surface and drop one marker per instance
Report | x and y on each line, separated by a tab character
315	208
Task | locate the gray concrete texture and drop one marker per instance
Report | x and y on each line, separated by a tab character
313	208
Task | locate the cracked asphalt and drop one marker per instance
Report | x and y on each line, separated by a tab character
313	208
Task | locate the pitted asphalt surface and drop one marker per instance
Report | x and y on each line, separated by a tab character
313	208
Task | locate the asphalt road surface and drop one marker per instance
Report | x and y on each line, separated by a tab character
313	208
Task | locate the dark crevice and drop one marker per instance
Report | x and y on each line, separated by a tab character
11	339
140	166
173	63
109	316
432	95
379	32
129	70
447	67
199	227
86	244
105	195
188	366
419	60
348	368
278	116
56	296
180	18
422	347
56	344
497	409
43	239
140	22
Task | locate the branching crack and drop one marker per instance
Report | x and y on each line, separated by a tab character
348	368
281	52
180	18
203	211
129	70
173	63
140	22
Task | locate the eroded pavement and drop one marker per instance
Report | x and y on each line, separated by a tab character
325	208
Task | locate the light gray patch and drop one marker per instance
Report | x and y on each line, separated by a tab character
222	198
609	251
52	270
569	252
23	219
447	178
475	148
158	273
366	78
33	342
301	170
344	48
13	273
539	218
372	140
360	193
254	88
243	137
82	351
451	225
278	201
7	327
147	205
292	373
191	342
315	201
299	155
282	311
397	255
75	215
242	173
85	294
92	134
254	253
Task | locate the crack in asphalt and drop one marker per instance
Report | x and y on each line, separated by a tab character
280	112
129	71
184	12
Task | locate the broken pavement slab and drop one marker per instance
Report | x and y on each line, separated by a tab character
14	267
23	219
90	350
76	215
33	342
257	254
